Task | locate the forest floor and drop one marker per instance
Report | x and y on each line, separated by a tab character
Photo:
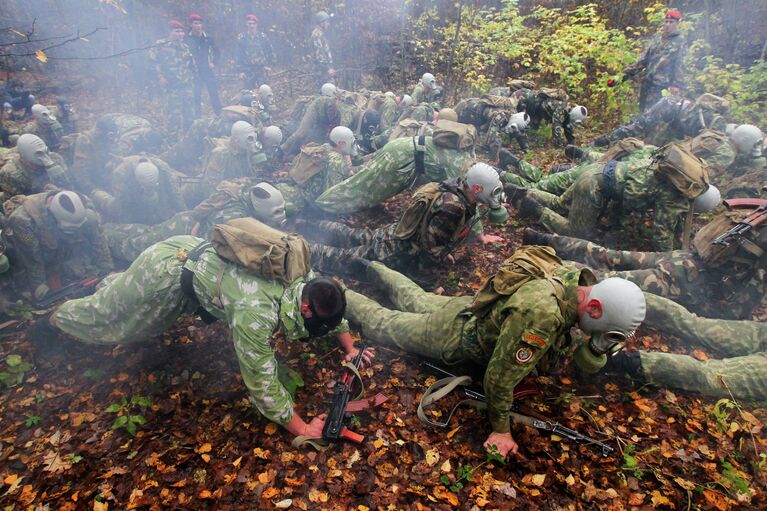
67	442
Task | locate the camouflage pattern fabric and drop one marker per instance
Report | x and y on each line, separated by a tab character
390	171
226	163
254	53
743	371
543	108
525	331
322	115
297	197
744	178
321	58
174	62
50	133
423	112
42	249
389	113
421	94
92	157
489	121
17	178
661	66
147	299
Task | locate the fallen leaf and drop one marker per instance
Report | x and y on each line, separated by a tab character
284	504
659	499
204	448
446	466
270	493
354	458
260	453
506	489
205	457
570	480
100	506
41	56
237	462
443	493
11	479
263	477
452	432
316	495
55	463
721	502
636	499
684	483
432	457
699	355
270	429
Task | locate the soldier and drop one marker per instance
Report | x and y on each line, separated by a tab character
176	73
45	126
511	336
332	166
57	240
389	109
66	115
230	200
551	105
255	56
322	115
426	90
745	176
322	57
661	66
32	169
613	191
205	55
241	156
392	168
184	273
143	192
440	216
93	152
494	117
671	118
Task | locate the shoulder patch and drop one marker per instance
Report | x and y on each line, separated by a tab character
524	355
534	340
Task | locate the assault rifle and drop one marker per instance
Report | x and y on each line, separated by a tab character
756	218
334	428
77	289
530	418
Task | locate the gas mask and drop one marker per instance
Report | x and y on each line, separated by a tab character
428	81
148	178
33	151
266	95
491	194
68	210
748	140
43	115
268	204
518	123
343	134
577	115
245	137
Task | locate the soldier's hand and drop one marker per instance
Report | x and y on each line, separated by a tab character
314	428
503	442
41	291
490	238
367	356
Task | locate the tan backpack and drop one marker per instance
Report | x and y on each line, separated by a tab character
412	220
454	135
529	262
620	149
504	102
310	161
552	93
261	249
406	128
685	171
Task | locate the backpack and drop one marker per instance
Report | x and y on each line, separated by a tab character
406	128
746	250
515	85
529	262
310	161
620	149
412	220
706	145
685	171
551	93
376	100
261	249
454	135
504	102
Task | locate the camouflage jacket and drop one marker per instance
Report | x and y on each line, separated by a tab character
256	309
91	167
336	169
542	108
42	248
389	113
662	62
525	331
226	163
174	62
422	95
50	133
254	51
16	178
320	49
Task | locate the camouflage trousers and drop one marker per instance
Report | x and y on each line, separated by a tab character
662	112
143	301
424	323
742	371
341	243
179	110
311	129
127	241
532	177
679	275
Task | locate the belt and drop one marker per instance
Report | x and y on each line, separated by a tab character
187	283
420	153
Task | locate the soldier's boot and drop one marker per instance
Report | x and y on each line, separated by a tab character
625	362
514	193
357	268
506	160
600	141
533	237
530	208
49	340
574	153
561	167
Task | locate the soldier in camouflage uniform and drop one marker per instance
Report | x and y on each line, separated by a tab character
745	177
66	115
524	331
671	118
661	66
45	126
322	115
240	157
551	105
490	115
144	191
176	72
57	236
441	216
32	169
255	56
391	170
229	201
426	91
148	298
321	56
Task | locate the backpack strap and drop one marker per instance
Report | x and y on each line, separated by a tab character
419	144
187	283
440	389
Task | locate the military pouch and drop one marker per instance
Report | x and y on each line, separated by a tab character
683	170
454	135
309	162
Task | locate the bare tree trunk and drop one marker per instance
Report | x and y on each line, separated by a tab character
449	78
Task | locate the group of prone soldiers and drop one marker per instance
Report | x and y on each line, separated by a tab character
120	196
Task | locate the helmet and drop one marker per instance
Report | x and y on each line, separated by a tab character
147	175
578	114
448	114
321	16
370	121
244	134
406	101
68	210
487	177
518	123
42	114
707	200
265	93
271	136
623	310
328	89
33	151
268	204
343	134
429	81
748	139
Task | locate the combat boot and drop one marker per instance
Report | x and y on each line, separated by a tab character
625	362
533	237
530	208
506	160
574	153
561	167
600	141
514	194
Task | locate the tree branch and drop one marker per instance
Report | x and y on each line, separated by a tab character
77	37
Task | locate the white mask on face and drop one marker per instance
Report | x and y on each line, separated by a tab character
33	151
268	204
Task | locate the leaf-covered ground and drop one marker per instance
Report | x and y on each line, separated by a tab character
66	437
